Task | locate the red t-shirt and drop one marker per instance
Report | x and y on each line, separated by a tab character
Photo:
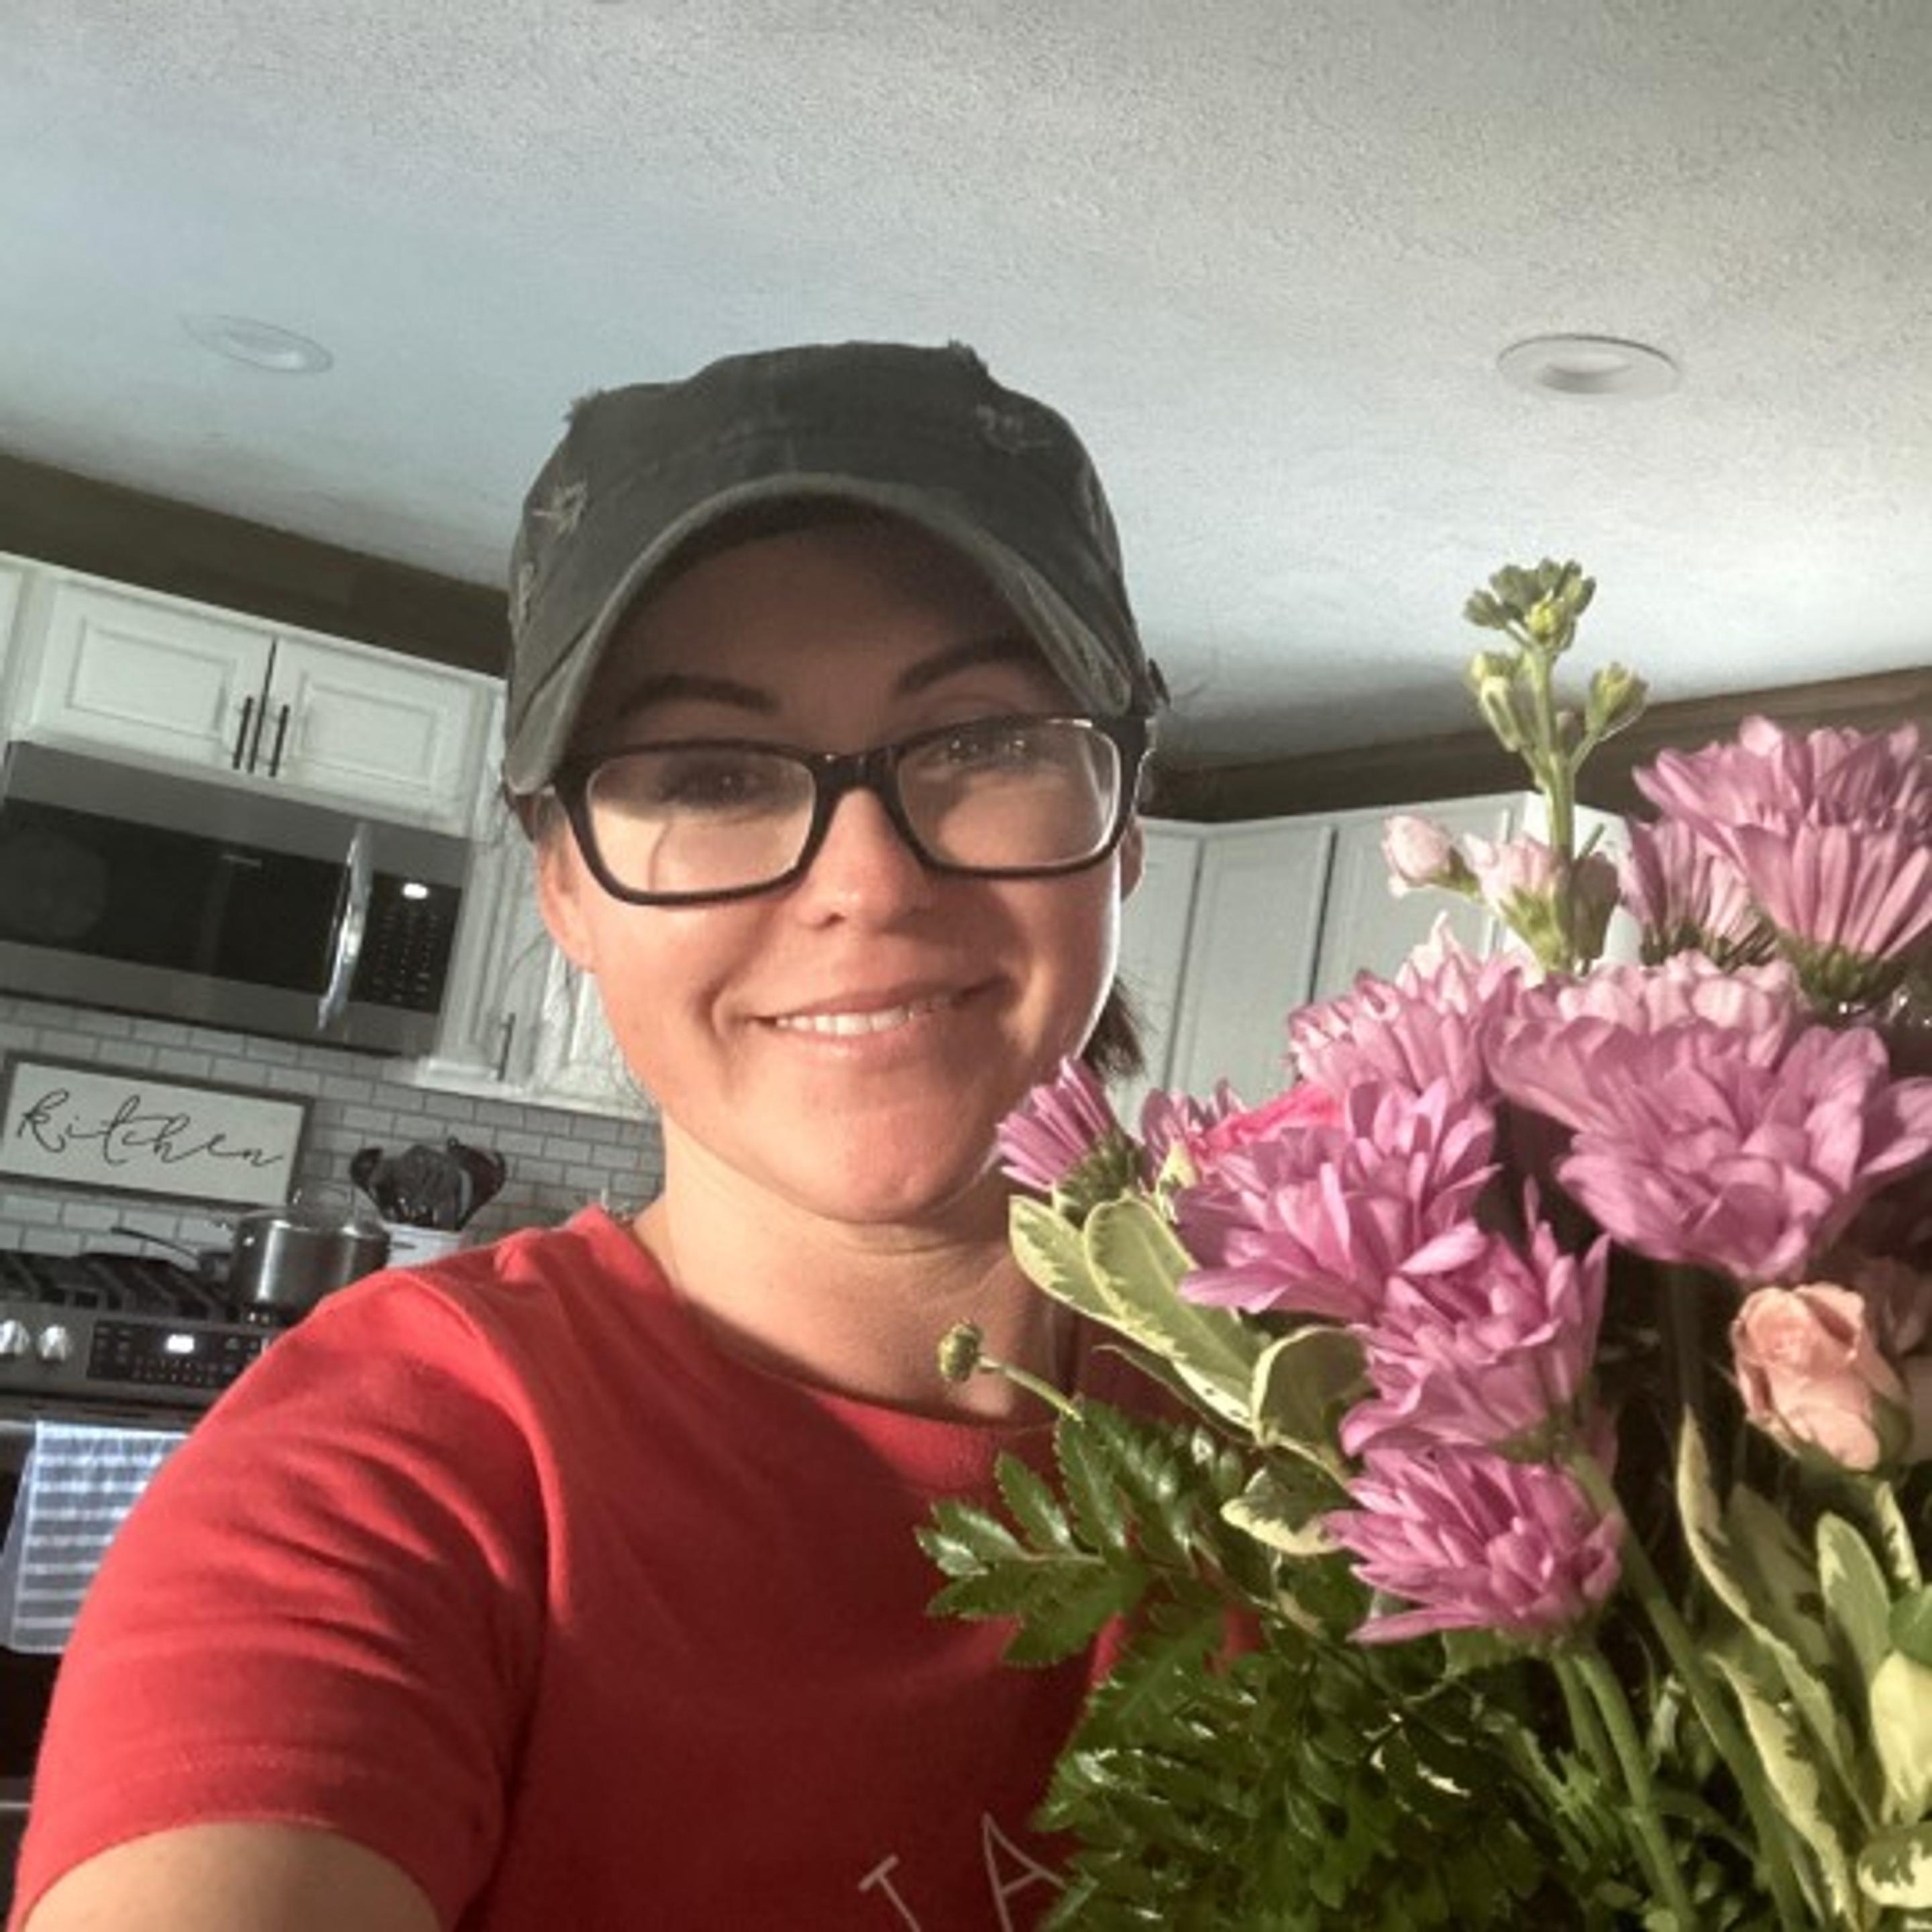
502	1570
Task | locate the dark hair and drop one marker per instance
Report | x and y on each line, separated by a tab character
1114	1049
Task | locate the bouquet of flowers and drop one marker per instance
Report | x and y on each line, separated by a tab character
1533	1530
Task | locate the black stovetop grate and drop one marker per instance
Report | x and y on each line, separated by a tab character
120	1284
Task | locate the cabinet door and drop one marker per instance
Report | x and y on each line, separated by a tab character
151	678
13	580
1365	927
1153	951
576	1063
1250	955
402	740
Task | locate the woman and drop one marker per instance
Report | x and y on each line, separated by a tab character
572	1582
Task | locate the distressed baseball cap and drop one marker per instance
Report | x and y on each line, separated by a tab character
925	434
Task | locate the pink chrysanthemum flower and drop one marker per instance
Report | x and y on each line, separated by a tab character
1316	1221
1685	895
1063	1140
1546	1052
1428	1024
1832	829
1702	1137
1475	1541
1492	1353
1176	1124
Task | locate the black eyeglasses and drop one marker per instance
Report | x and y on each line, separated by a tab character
722	818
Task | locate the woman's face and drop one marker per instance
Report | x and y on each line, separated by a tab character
848	1042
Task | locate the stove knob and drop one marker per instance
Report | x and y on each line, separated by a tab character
15	1339
55	1344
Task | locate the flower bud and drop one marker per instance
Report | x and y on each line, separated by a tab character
959	1351
1418	852
1617	697
1486	665
1496	699
1812	1378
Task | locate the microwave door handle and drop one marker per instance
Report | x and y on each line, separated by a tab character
352	921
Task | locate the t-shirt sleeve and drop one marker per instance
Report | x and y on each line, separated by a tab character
326	1610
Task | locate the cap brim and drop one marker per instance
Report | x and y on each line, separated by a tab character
1072	643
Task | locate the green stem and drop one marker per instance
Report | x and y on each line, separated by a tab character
1684	1290
1773	1844
1646	1825
1585	1726
1556	777
1024	1378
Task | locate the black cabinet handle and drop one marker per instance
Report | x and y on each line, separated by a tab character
242	735
281	735
509	1031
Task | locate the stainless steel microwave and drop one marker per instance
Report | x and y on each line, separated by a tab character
192	898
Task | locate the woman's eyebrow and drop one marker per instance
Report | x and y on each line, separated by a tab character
1008	647
668	687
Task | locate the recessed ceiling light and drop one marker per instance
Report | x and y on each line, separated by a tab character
259	344
1589	368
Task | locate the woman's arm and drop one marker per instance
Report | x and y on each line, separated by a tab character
234	1878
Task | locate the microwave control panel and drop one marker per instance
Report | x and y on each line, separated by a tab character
407	942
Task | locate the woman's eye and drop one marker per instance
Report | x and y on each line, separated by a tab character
696	782
996	743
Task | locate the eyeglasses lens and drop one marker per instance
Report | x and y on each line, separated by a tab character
993	796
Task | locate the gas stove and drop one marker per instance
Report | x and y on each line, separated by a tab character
115	1329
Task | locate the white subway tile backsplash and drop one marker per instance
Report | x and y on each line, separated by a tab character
557	1160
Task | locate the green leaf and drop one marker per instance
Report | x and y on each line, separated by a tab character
1282	1508
1901	1722
1895	1544
1064	1622
1780	1739
1033	1505
962	1539
1856	1595
1092	1494
1778	1575
1705	1528
1053	1258
1138	1265
1896	1870
1302	1383
1911	1627
1732	1573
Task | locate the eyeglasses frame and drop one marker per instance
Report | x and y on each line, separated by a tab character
834	774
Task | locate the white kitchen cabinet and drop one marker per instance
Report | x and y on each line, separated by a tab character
1154	924
157	678
13	582
1236	926
404	736
521	1023
1365	926
1250	953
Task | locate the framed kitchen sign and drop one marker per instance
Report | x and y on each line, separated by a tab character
117	1131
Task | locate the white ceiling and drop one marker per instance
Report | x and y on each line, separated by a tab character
1264	252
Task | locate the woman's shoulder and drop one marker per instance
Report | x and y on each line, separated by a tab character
542	1308
588	1269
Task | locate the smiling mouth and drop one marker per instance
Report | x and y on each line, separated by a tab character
877	1019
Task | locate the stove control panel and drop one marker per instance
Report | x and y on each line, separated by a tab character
156	1355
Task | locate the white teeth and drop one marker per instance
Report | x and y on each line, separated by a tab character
880	1019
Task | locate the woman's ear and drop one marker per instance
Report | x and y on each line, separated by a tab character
561	885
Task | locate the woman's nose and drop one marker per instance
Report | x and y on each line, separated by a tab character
863	867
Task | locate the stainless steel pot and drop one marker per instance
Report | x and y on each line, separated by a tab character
285	1259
